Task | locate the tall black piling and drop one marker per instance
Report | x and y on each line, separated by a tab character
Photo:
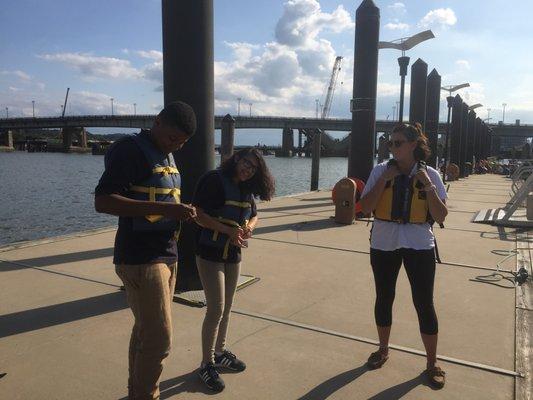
471	141
432	114
464	140
315	161
477	142
188	76
455	133
417	99
363	107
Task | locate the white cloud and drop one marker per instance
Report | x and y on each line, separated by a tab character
398	8
95	67
19	74
464	64
303	20
151	54
441	17
397	26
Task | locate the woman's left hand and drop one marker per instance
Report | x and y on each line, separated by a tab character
247	233
423	177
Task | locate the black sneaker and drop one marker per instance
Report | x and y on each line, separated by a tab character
209	375
229	360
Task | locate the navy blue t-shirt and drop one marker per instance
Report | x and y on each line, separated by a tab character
126	165
209	195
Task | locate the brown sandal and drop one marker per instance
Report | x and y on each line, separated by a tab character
436	376
377	359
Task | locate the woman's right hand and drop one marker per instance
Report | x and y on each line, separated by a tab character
390	173
236	236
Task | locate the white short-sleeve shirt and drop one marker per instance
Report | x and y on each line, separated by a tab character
389	236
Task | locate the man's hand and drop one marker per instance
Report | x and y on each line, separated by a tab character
184	212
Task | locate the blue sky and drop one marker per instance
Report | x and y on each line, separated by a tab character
276	55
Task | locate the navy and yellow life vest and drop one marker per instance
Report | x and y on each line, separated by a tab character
162	185
236	211
403	201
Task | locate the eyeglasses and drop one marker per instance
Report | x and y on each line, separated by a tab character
396	143
249	165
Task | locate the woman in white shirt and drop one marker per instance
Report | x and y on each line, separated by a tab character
406	197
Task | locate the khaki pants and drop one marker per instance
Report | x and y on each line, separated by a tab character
149	289
219	281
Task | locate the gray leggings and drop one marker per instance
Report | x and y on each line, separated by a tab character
219	281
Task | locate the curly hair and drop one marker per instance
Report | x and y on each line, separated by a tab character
180	115
413	132
262	183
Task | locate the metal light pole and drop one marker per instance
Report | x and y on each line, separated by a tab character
111	105
316	105
7	112
404	44
239	106
134	108
503	115
450	89
33	107
250	104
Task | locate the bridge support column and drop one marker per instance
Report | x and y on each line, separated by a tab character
363	107
67	138
432	115
6	141
227	137
188	76
417	100
300	138
287	143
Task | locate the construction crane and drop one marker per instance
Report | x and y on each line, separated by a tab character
65	105
331	87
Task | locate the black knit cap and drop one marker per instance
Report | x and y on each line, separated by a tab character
181	115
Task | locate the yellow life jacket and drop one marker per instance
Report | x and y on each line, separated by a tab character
403	201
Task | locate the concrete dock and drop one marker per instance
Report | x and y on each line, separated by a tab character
305	329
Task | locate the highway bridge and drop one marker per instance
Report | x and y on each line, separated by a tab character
241	122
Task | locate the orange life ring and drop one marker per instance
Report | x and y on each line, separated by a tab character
359	186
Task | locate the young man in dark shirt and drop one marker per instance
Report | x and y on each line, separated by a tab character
141	185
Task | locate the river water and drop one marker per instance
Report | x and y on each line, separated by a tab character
51	194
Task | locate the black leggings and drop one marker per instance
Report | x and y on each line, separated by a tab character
420	268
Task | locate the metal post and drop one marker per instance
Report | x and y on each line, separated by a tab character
188	76
7	112
361	153
417	100
432	114
227	137
446	152
403	62
315	162
33	108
